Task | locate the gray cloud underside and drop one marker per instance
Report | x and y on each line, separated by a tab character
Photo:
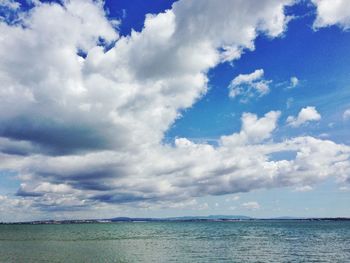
85	132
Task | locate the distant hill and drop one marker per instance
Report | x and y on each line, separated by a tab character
286	218
211	217
181	218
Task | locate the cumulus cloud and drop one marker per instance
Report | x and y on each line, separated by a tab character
175	174
332	12
305	115
86	131
253	130
248	85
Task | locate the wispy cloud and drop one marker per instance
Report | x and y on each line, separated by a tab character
249	85
305	188
346	115
251	205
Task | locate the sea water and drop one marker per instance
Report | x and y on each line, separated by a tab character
245	241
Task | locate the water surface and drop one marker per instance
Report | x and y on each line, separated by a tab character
247	241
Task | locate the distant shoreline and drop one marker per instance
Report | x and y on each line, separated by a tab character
184	219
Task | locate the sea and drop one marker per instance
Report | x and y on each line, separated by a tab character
242	241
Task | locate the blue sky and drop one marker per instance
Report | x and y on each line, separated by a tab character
163	108
315	57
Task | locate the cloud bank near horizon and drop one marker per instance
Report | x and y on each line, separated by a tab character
83	110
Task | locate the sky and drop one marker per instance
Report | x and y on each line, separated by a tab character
171	108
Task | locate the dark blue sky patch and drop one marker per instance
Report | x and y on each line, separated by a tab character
132	13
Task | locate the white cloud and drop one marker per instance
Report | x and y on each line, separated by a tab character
94	126
251	205
247	85
11	4
332	12
289	102
305	188
236	197
177	174
324	135
344	189
294	81
305	115
203	206
233	198
346	115
253	130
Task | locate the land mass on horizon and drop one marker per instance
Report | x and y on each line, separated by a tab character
210	218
